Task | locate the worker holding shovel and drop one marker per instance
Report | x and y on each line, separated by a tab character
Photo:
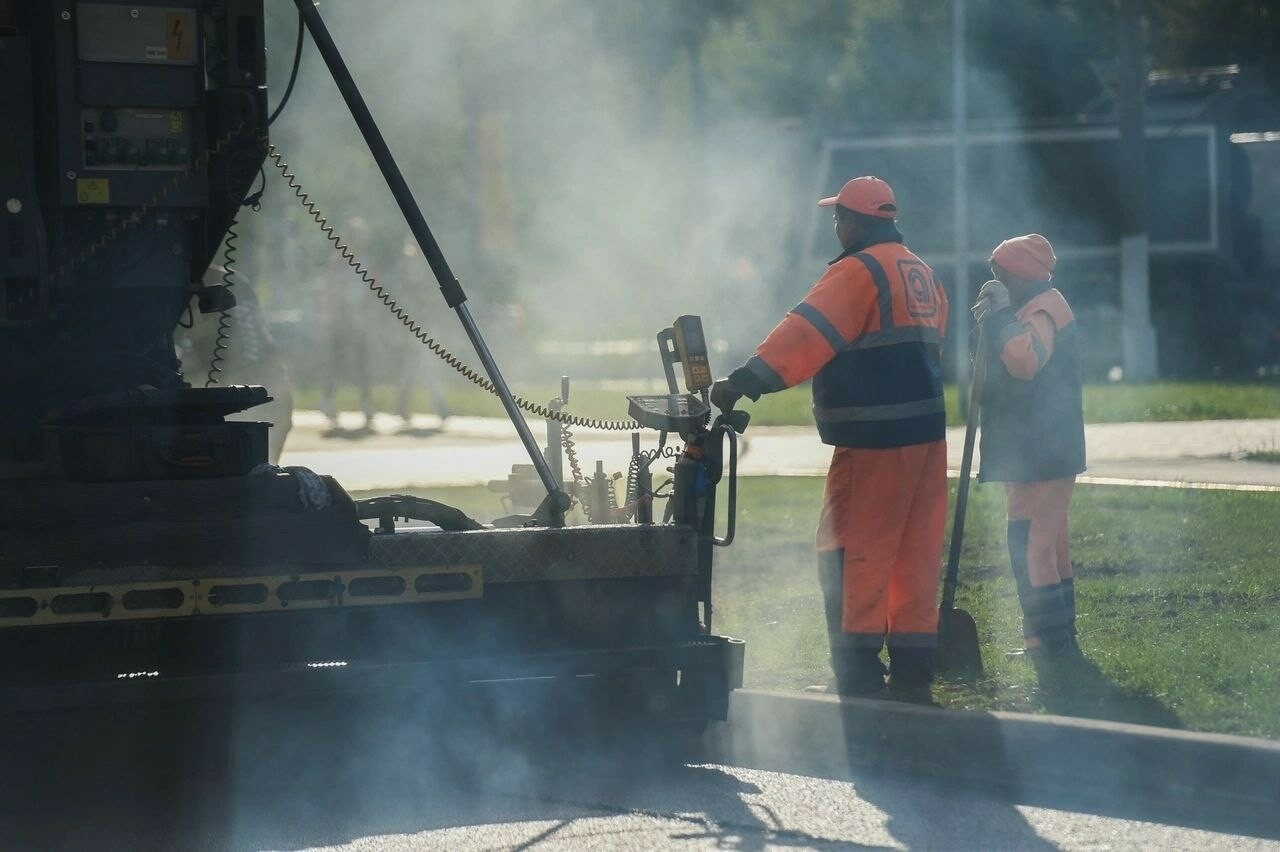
1033	437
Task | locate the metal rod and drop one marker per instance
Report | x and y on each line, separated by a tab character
449	285
960	211
972	412
1138	340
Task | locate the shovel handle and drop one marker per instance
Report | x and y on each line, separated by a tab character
966	466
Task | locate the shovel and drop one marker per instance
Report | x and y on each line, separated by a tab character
958	651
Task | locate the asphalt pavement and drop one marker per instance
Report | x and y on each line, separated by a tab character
379	774
472	451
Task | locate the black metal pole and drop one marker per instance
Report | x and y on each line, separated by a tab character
951	579
449	286
1138	341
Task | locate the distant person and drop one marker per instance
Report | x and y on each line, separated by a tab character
345	341
415	366
869	333
1033	436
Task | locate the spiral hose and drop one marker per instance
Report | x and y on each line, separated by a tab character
571	453
644	459
224	316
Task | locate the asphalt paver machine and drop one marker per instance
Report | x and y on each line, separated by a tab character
147	549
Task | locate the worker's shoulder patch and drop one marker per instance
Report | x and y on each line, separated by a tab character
1050	302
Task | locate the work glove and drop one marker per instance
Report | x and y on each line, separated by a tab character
724	395
993	296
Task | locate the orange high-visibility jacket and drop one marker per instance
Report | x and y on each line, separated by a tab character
870	334
1032	415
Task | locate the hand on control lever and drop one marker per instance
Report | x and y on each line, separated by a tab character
724	395
992	297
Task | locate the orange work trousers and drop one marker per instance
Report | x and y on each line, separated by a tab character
1044	505
886	509
1040	555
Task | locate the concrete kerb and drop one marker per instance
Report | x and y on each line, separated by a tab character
1218	782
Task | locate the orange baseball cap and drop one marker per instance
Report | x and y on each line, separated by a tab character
1029	257
867	195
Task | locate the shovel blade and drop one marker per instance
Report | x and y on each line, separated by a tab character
958	651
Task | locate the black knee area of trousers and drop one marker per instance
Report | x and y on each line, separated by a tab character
857	670
831	580
1018	535
1069	598
911	666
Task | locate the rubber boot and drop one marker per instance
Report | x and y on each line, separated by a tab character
911	674
1048	612
1069	601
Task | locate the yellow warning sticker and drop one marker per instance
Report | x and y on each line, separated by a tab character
177	26
175	122
93	190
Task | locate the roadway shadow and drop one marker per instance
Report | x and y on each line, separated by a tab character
966	763
1083	690
344	434
939	807
420	431
939	814
304	773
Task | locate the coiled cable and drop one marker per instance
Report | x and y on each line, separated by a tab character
571	453
413	326
643	460
229	250
223	337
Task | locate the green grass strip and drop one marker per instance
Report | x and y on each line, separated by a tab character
1178	600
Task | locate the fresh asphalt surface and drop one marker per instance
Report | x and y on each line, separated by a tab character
392	773
393	776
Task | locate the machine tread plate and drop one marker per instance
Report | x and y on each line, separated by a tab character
539	554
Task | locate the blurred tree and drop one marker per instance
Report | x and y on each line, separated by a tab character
837	64
1217	32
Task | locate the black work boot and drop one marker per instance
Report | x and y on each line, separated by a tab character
858	671
911	675
1060	665
1048	612
1068	587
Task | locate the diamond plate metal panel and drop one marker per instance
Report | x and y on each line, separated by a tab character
571	553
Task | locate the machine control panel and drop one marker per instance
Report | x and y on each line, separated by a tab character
691	349
136	138
684	342
681	413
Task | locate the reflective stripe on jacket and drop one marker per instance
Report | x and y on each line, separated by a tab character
869	333
1032	412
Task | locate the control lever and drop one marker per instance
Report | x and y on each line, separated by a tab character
729	424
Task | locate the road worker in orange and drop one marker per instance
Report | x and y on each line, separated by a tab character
869	333
1033	436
